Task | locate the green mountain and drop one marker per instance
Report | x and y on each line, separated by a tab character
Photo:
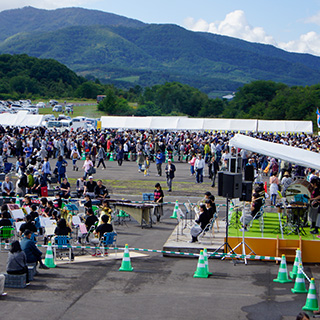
127	52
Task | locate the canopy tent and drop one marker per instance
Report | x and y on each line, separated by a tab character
196	124
294	155
285	126
21	119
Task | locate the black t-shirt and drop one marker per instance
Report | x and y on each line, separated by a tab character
203	219
62	231
5	223
88	204
28	226
91	186
90	221
65	185
100	191
103	228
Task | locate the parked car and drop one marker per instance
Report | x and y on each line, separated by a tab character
41	105
57	108
53	102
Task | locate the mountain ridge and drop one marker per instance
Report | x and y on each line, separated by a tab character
125	51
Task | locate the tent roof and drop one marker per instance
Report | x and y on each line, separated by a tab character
295	155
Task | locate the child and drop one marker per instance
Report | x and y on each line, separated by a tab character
146	166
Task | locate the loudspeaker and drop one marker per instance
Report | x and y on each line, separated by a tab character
233	167
249	173
246	191
220	183
230	185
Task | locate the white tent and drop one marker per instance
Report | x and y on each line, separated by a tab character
295	155
285	126
21	119
230	125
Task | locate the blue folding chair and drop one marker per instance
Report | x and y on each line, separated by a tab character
63	246
109	239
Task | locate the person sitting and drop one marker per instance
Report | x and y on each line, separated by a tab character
100	231
17	261
65	188
88	203
33	254
89	187
7	187
5	217
62	229
105	210
80	186
28	225
27	201
100	191
57	201
202	222
91	220
211	209
51	211
34	212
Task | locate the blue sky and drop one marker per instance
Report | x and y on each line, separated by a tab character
291	25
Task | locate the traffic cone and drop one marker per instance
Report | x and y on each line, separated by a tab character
126	263
111	156
297	262
299	285
175	210
312	301
83	156
49	261
201	271
283	272
205	255
18	200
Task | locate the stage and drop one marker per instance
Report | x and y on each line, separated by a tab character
266	243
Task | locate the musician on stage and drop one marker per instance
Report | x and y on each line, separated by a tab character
314	205
201	223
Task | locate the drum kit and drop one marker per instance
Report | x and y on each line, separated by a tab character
295	208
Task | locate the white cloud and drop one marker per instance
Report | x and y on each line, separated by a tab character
234	25
307	43
314	19
43	4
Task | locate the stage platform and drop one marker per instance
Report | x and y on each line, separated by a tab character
180	242
266	243
269	241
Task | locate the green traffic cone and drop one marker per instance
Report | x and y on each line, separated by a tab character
111	156
283	272
299	285
126	263
201	271
205	255
297	261
175	210
83	156
312	301
49	261
129	155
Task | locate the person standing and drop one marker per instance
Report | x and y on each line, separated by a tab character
87	166
274	187
101	156
159	160
170	170
158	198
213	170
199	166
120	155
61	166
75	156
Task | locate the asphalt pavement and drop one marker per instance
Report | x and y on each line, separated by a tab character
159	287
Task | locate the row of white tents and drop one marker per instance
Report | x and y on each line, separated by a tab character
22	119
196	124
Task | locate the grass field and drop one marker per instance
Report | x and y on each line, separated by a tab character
89	111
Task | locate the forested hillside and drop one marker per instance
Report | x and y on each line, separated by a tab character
127	52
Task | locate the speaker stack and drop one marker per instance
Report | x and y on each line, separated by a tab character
229	184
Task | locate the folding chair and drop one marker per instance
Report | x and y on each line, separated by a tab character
109	239
64	243
6	233
259	217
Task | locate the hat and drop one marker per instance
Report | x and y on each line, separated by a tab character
91	177
286	174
